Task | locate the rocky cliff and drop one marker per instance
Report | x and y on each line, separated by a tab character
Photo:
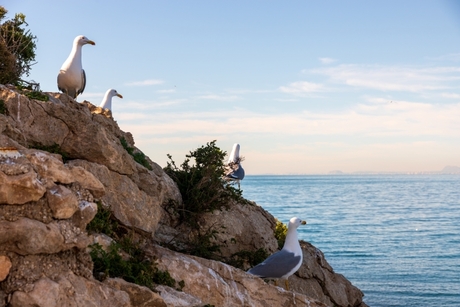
62	161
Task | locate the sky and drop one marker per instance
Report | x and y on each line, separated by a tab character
305	87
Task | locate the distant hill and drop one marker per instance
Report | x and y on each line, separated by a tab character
450	170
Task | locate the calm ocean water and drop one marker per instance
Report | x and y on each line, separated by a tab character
396	237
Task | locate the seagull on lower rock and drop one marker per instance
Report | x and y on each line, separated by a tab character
285	262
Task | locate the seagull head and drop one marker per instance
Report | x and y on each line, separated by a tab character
296	222
112	93
83	40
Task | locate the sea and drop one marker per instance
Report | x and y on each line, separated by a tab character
395	237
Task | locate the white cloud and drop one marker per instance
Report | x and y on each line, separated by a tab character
218	97
327	60
145	82
392	78
454	57
401	118
166	91
450	95
302	87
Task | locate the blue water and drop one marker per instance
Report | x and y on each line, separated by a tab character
395	237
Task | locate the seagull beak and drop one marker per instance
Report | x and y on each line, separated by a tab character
91	42
119	95
303	222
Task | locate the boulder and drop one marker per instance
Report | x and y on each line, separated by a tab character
130	205
62	201
26	236
19	183
70	290
139	296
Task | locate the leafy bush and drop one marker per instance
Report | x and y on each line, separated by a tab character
103	222
243	258
135	267
201	184
138	156
280	233
17	48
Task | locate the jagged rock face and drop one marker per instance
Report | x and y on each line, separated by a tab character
243	227
46	204
215	283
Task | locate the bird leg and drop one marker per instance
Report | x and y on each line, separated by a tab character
286	281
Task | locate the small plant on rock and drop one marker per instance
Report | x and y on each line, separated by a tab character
55	148
138	156
280	233
244	258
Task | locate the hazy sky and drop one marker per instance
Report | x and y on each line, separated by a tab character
303	86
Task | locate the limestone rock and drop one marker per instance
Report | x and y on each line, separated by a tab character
49	166
219	284
52	170
174	298
70	290
19	188
62	201
243	227
85	214
26	236
68	124
5	266
130	205
139	296
87	181
317	279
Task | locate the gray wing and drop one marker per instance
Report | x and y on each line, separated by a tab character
83	81
238	174
62	89
277	265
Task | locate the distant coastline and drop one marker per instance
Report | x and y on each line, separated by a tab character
447	170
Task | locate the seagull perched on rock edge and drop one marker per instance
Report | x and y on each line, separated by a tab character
235	170
107	100
71	78
285	262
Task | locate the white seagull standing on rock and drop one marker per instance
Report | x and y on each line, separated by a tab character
107	101
235	170
287	261
71	78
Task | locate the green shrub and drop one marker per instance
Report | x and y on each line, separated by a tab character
137	268
280	233
17	48
201	184
138	156
103	222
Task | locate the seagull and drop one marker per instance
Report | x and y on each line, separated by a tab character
287	261
235	170
107	101
71	78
